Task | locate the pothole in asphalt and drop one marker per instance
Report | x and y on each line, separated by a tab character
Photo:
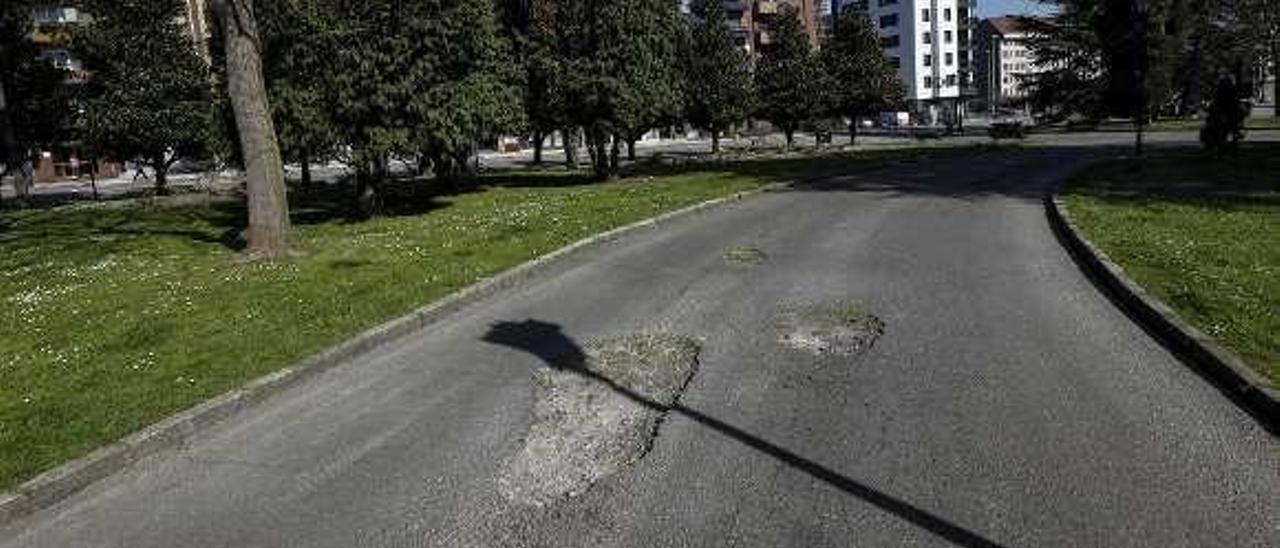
745	256
597	413
841	328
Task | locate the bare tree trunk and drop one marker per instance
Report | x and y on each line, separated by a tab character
268	233
23	180
1137	143
631	149
715	141
1275	77
538	137
570	142
8	142
853	130
613	156
306	168
161	169
791	137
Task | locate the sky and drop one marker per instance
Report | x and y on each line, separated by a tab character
993	8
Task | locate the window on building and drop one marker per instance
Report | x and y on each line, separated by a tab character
895	61
884	3
924	15
890	41
888	21
950	59
946	14
928	81
928	37
947	37
951	80
928	60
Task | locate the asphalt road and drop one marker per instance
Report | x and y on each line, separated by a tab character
1008	403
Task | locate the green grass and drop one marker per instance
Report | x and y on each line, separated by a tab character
1202	234
115	315
1254	123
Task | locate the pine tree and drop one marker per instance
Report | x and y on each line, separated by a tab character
718	87
863	82
790	79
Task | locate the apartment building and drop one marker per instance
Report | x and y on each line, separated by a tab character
751	21
1006	62
930	42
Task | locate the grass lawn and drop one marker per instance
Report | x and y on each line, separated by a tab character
1202	234
1252	123
117	314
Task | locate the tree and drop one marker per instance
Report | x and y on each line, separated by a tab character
1224	127
646	54
1141	40
718	87
36	108
531	26
268	233
790	79
417	79
863	81
150	89
295	60
1067	45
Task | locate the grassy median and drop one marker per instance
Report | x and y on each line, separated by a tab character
1202	233
117	314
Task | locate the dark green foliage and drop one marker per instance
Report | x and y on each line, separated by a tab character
150	93
718	86
1067	44
618	71
790	81
647	58
862	80
36	109
297	52
1224	127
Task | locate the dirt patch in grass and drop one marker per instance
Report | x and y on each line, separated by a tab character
597	414
841	328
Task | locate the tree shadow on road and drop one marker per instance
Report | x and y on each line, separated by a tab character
548	342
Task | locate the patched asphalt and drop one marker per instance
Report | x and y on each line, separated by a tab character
1005	403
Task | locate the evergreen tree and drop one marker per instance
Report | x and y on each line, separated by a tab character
1067	45
296	56
718	87
863	81
35	105
646	54
790	80
1142	41
1224	127
427	79
150	89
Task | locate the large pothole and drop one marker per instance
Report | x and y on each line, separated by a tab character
597	413
841	328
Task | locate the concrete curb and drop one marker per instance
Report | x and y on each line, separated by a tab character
181	429
1248	388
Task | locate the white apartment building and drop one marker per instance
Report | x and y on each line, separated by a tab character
1007	61
929	42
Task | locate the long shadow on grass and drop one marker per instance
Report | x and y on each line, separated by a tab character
550	344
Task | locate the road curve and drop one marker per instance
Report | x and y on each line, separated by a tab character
1008	403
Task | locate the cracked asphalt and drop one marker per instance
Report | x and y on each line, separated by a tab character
1007	402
